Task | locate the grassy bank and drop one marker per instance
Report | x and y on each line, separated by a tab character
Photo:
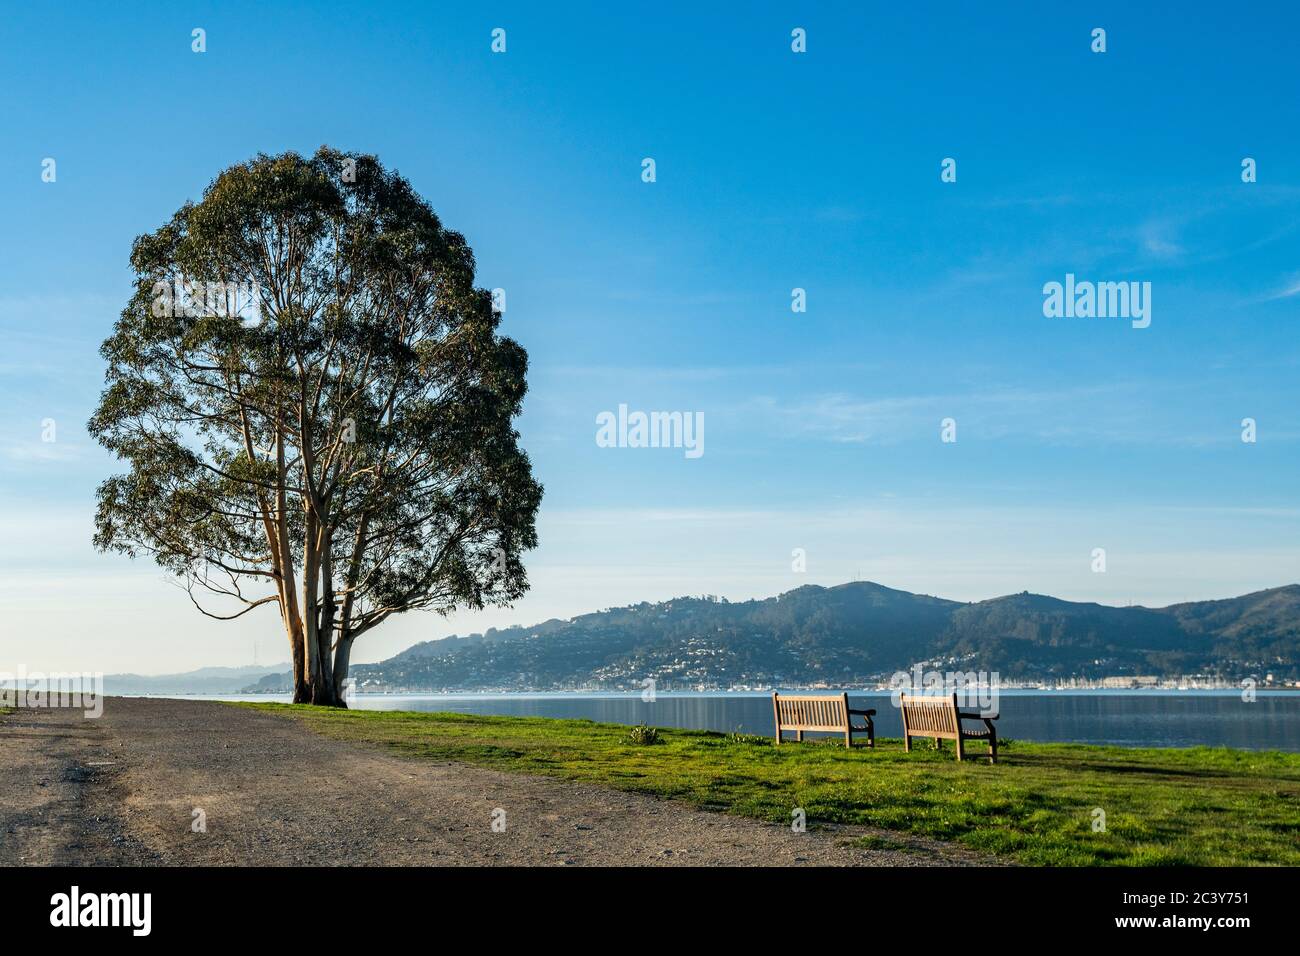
1203	806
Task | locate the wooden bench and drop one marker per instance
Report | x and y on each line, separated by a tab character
940	718
830	714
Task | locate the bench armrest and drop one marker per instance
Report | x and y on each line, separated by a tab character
976	716
863	713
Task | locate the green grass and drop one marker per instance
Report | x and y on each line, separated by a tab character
1202	806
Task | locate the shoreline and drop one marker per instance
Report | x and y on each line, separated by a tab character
1160	719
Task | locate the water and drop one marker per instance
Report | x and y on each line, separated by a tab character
1134	719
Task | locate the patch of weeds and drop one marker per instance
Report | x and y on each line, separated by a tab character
643	735
748	740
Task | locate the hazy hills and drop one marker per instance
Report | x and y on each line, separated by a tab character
205	680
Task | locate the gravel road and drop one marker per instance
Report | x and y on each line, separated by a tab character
130	788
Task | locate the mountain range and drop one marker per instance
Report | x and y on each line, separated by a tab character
854	634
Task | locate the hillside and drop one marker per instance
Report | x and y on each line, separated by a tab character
854	633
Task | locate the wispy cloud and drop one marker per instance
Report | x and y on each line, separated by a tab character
1157	240
37	451
1289	289
1094	412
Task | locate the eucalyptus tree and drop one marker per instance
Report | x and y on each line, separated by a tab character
316	408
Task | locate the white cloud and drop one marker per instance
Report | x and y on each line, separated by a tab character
1291	288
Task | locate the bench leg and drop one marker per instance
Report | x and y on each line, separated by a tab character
848	737
993	748
798	736
871	733
938	743
907	744
961	750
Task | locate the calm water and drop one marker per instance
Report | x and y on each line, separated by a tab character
1135	719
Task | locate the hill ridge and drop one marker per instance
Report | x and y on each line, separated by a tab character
857	632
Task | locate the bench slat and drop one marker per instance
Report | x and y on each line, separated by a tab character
939	717
820	713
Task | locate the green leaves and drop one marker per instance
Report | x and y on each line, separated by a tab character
350	428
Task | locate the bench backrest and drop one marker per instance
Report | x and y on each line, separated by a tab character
929	715
811	713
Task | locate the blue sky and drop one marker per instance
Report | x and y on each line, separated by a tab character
775	170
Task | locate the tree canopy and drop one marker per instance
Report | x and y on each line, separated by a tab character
316	409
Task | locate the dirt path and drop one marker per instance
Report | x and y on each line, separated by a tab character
123	790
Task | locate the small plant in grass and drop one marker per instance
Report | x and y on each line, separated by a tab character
643	735
736	737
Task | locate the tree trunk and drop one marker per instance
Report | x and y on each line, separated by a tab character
322	694
301	689
341	657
